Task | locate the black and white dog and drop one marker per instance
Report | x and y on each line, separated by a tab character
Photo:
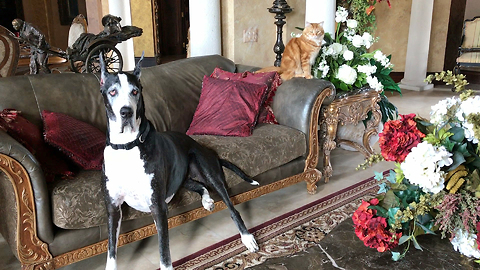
145	168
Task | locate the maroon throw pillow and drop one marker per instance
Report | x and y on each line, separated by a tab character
29	135
271	79
83	143
227	108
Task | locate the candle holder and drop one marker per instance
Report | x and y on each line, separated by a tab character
280	8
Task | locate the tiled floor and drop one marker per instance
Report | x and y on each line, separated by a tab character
194	236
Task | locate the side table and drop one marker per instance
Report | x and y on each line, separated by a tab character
349	108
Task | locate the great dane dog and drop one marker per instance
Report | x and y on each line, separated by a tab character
145	168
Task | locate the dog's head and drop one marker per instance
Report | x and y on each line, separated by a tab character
122	95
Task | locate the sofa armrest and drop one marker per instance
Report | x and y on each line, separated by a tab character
32	200
297	104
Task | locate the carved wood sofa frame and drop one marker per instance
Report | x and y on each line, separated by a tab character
33	253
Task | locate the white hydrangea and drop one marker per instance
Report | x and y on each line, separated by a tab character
348	55
374	83
465	243
438	113
367	40
383	59
352	24
347	74
341	15
367	69
422	166
334	50
324	68
467	107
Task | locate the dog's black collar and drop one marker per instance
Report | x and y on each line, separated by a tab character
139	140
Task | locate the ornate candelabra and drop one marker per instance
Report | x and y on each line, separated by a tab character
280	8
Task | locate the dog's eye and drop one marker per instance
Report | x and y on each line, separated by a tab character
135	92
112	93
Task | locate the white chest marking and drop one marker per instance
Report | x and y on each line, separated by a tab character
127	180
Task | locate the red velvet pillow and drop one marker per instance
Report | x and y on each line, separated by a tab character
29	135
227	108
83	143
271	79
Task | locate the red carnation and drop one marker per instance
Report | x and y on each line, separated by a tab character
399	137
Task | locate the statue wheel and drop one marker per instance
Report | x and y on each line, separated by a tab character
111	55
77	66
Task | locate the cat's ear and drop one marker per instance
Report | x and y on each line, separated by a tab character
307	24
321	23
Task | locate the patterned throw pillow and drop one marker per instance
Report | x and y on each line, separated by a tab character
227	108
30	136
271	79
83	143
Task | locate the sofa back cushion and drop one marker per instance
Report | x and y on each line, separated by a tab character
171	93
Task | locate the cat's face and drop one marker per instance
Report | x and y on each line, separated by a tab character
314	31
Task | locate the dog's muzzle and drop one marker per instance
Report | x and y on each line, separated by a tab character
126	113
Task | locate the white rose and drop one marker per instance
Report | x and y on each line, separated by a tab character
357	41
352	24
348	55
347	74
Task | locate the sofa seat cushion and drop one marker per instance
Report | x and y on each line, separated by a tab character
268	147
78	203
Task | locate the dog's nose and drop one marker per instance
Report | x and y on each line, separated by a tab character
126	112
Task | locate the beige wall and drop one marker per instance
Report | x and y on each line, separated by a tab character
240	15
392	30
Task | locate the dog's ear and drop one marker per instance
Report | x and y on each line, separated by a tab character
137	70
103	69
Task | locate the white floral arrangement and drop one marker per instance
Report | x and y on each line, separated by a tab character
347	63
436	183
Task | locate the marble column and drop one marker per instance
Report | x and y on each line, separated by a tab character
321	10
121	8
418	46
205	27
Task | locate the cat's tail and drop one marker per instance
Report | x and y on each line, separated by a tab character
270	69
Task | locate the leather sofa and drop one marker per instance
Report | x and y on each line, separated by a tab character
50	225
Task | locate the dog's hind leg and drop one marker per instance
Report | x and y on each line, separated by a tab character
213	175
159	213
200	188
247	238
114	213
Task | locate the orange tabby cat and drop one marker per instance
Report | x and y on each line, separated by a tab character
300	53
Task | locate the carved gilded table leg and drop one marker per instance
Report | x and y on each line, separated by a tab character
349	110
32	252
329	124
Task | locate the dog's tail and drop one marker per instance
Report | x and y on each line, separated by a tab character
238	171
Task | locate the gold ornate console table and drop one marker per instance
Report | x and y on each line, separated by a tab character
349	108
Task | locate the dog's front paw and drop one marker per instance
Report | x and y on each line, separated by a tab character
249	241
166	267
208	203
